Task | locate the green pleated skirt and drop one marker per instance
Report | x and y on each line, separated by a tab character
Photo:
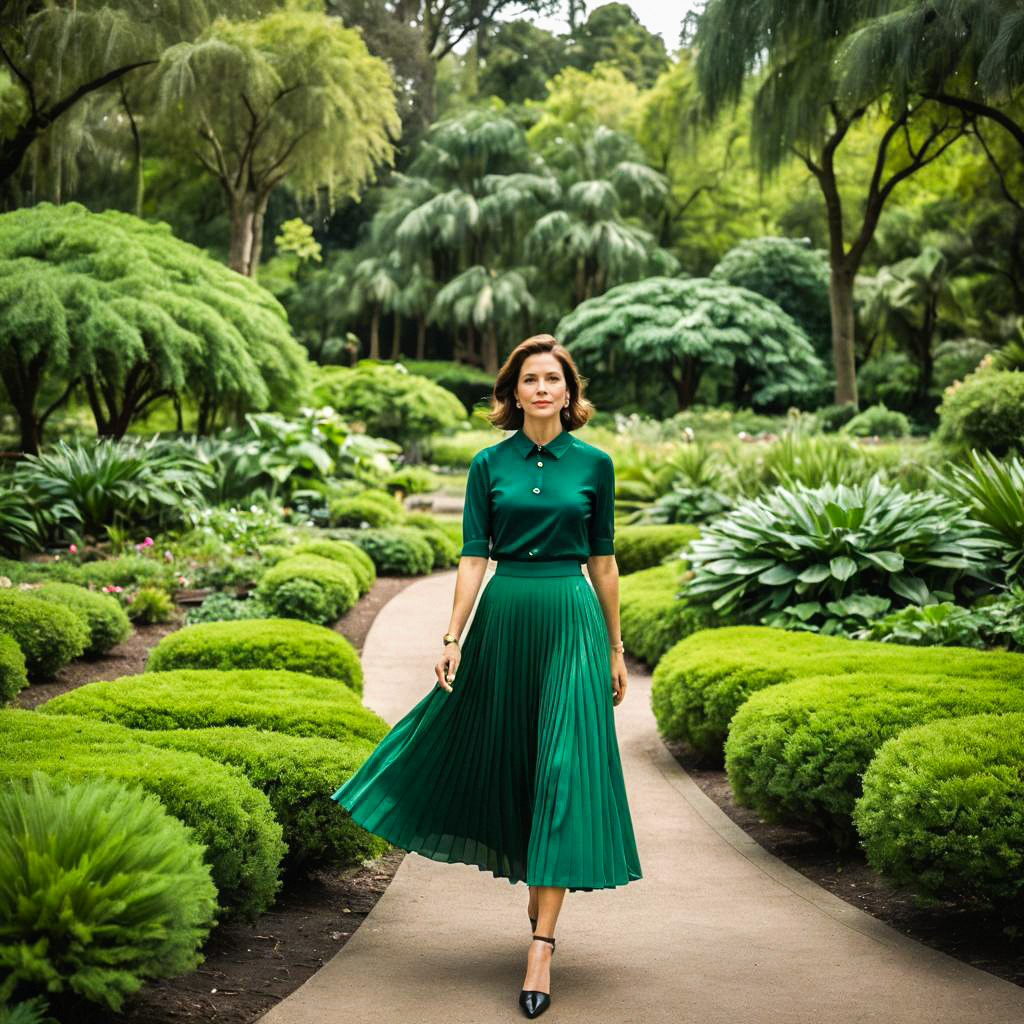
517	770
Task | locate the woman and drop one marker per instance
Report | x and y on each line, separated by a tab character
511	762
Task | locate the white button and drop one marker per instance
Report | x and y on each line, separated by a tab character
540	463
533	551
536	490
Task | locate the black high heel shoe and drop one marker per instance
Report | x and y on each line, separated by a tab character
535	1003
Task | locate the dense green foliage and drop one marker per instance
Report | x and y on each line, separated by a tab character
100	890
108	624
49	634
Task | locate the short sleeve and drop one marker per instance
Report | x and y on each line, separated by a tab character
601	530
476	511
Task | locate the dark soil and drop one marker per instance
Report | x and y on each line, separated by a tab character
247	968
974	936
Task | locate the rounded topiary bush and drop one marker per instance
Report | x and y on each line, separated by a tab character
942	810
698	684
796	752
986	410
369	508
341	551
100	890
877	421
288	702
126	570
396	551
295	772
643	547
49	635
13	676
228	816
335	580
653	615
446	553
108	624
263	644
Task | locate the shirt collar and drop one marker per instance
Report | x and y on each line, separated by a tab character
556	446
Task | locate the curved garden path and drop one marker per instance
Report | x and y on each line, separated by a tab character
717	931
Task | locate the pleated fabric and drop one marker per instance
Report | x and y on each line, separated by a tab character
518	769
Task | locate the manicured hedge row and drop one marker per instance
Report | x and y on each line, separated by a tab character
13	676
642	547
395	550
235	822
290	702
699	683
943	810
796	752
298	774
260	643
346	552
653	617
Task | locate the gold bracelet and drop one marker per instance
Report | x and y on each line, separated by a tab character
617	646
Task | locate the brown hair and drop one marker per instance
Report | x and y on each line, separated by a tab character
504	412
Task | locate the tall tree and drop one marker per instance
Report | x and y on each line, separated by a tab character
800	110
613	34
58	54
292	97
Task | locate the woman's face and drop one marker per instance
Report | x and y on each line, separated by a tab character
542	389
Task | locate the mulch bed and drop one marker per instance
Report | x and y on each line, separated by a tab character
970	935
248	967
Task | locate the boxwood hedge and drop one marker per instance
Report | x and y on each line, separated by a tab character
700	682
298	774
290	702
641	547
335	579
49	635
260	643
108	622
942	810
228	815
13	676
796	752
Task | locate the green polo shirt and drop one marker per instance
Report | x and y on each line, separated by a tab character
530	503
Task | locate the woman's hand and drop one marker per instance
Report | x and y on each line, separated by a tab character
446	666
618	678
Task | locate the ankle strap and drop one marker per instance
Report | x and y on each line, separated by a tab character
544	938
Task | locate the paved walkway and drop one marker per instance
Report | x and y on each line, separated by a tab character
716	932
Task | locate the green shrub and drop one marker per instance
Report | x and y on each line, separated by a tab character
652	615
355	510
934	625
228	816
642	547
126	571
260	643
100	890
804	547
942	810
13	675
877	421
108	624
412	480
29	1011
396	551
832	417
699	684
335	579
444	547
288	702
222	607
148	605
985	411
341	551
796	752
295	772
49	635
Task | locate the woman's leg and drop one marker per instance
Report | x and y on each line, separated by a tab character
532	910
538	962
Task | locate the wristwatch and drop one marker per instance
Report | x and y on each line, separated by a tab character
449	638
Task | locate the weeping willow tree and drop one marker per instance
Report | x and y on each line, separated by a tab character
788	51
128	313
293	97
679	328
59	54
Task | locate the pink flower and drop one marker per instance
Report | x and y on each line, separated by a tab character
73	548
148	542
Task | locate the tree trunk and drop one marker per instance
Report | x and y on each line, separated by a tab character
840	296
243	216
257	234
375	333
686	383
396	337
490	350
421	337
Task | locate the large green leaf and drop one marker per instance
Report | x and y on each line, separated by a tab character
842	567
